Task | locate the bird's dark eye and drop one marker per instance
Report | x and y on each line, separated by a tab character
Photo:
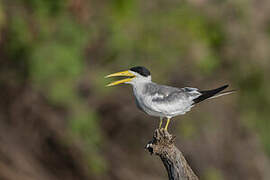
141	70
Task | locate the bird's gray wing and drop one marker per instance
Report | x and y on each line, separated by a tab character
171	100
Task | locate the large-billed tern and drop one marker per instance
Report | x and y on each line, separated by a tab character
161	100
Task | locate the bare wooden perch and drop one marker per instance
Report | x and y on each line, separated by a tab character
173	160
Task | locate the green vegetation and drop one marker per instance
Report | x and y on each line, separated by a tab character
53	55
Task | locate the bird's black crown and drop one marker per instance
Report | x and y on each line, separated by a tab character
141	70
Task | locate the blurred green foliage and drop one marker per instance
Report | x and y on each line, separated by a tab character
162	36
213	174
53	54
255	102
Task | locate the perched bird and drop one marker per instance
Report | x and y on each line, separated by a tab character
160	100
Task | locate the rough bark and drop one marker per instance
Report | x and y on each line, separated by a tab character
173	160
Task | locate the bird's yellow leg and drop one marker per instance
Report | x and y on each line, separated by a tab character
160	122
168	122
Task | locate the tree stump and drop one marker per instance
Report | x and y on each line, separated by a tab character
175	163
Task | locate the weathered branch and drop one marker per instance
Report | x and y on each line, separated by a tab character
173	160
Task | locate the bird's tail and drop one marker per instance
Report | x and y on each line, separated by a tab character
210	94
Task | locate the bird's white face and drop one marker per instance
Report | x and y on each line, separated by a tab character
139	78
133	78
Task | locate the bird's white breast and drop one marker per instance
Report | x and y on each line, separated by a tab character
143	101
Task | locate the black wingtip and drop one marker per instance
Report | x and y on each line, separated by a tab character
209	93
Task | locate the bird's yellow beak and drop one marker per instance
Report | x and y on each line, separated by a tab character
123	73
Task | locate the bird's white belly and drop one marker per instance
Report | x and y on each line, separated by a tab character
161	111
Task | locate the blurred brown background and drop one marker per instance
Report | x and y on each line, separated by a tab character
58	121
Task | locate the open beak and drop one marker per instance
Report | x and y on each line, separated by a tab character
123	73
